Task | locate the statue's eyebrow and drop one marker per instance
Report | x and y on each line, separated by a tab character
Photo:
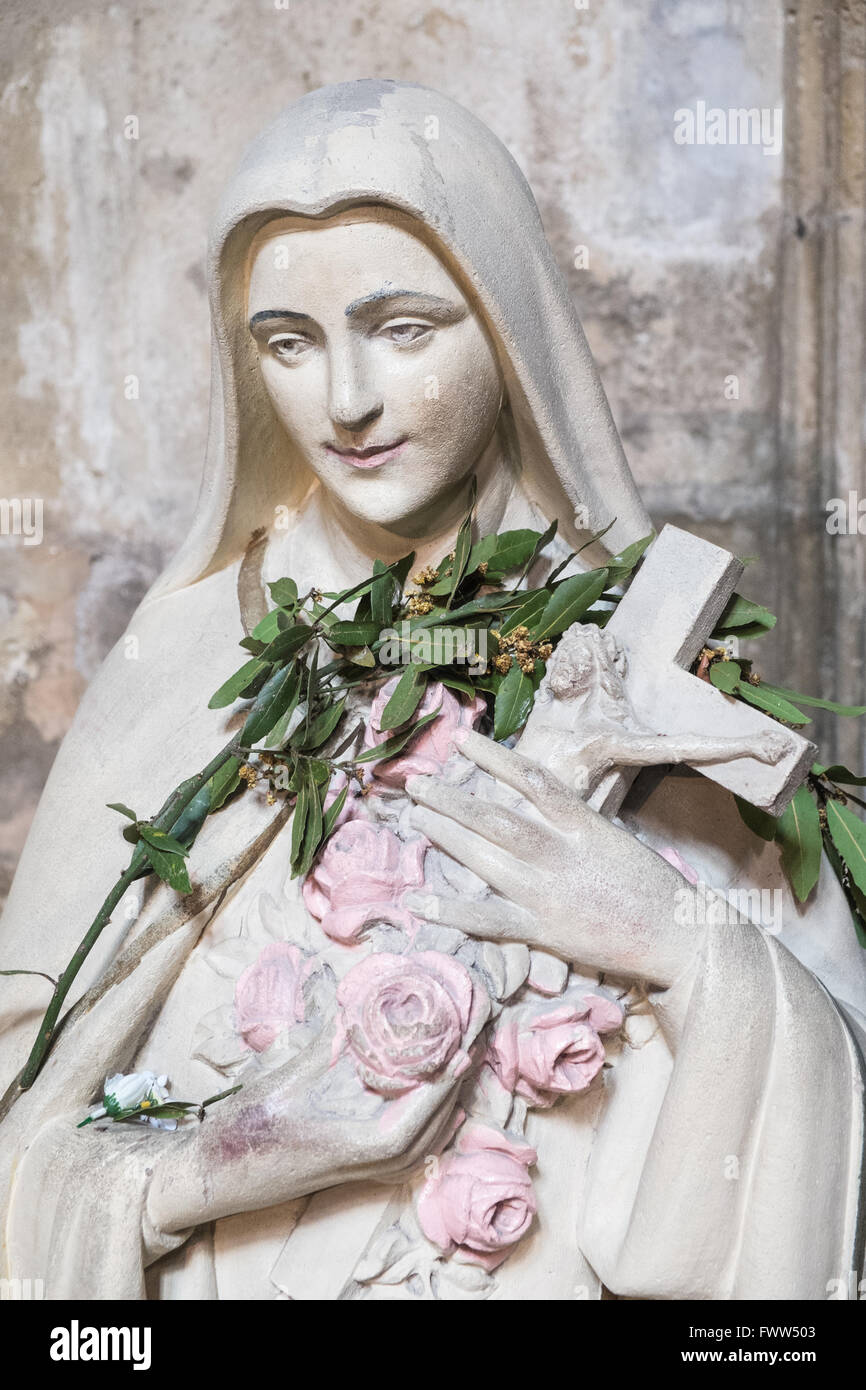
264	315
417	301
392	300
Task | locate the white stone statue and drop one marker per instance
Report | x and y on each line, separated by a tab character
388	321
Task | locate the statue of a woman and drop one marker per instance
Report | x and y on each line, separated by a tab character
388	323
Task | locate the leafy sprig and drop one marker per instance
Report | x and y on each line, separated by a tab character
818	816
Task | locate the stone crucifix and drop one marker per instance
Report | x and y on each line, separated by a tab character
618	699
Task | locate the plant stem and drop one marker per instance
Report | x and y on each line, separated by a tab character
171	809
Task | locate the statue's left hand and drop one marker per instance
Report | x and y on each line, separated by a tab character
564	878
280	1138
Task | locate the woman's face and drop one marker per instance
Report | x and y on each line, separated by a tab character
378	368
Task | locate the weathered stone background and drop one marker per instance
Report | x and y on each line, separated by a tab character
704	262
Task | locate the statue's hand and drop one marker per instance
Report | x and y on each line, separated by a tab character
564	878
288	1135
377	1138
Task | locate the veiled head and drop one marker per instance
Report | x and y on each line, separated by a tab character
377	364
455	216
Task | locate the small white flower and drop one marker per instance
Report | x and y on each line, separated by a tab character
142	1088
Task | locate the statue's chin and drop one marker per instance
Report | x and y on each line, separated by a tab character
385	503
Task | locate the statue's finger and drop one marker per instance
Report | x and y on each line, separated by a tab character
561	805
495	866
494	919
500	825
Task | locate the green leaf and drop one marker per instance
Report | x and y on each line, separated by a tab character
852	711
280	731
760	822
278	692
544	539
381	596
513	550
231	689
568	603
838	773
849	837
390	747
360	656
224	781
483	550
487	603
750	631
254	645
250	691
222	1095
299	821
324	724
514	700
462	548
161	840
352	634
314	825
310	689
405	698
528	612
458	683
621	566
742	612
324	618
124	810
170	868
855	899
267	629
192	818
329	817
399	573
284	592
725	675
799	834
772	704
288	643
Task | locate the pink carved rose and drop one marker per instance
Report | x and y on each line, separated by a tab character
405	1018
552	1052
431	749
359	877
269	995
481	1202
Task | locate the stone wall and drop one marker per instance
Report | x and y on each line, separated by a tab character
721	285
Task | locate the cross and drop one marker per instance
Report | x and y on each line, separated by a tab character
671	608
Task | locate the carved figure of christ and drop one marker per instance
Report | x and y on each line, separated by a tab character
655	711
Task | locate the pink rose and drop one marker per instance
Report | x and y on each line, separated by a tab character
269	995
481	1201
431	749
404	1018
553	1052
359	877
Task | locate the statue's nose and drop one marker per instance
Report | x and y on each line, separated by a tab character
355	399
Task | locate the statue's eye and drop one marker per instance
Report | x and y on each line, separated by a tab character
404	332
288	346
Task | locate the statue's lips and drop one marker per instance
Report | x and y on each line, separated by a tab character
369	457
